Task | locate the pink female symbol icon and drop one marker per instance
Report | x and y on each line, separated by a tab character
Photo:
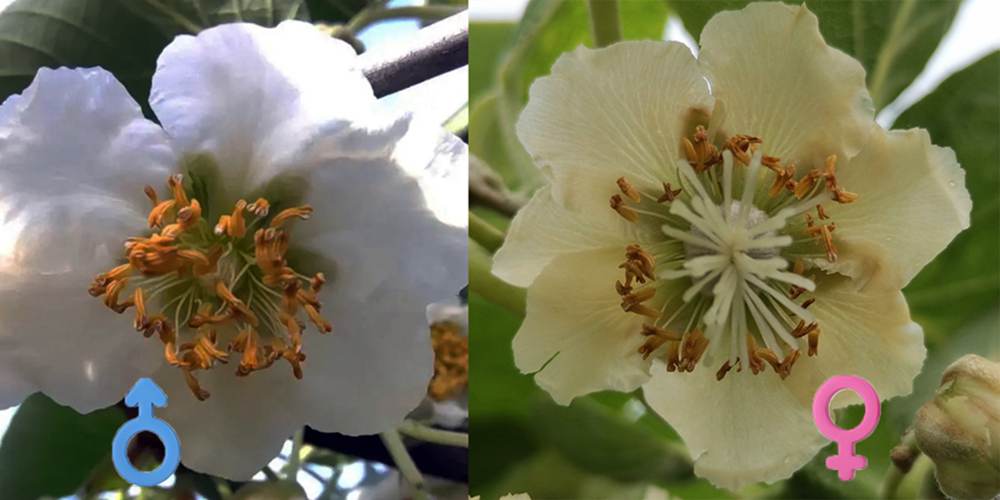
845	462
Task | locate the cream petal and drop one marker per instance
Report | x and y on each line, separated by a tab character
75	153
543	230
740	430
780	81
912	203
247	95
867	333
575	335
612	112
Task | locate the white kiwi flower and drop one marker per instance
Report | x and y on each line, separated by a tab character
296	220
760	229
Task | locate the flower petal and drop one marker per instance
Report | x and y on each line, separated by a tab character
575	335
363	378
781	82
867	333
75	153
610	112
740	430
912	203
244	93
379	217
366	376
239	428
543	230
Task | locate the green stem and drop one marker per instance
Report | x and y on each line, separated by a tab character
903	456
484	233
404	462
605	25
483	282
291	469
432	435
372	15
270	474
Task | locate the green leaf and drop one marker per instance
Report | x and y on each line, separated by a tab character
978	336
548	475
335	11
49	449
548	29
892	40
600	434
964	280
487	44
598	440
177	17
76	33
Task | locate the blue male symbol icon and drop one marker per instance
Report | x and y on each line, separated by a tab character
145	394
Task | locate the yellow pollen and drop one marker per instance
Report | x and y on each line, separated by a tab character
213	283
451	361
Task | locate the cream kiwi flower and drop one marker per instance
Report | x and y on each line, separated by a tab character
760	229
295	220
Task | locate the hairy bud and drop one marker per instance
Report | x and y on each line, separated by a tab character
960	429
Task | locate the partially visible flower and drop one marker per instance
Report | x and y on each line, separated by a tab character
761	226
448	391
262	130
960	429
447	401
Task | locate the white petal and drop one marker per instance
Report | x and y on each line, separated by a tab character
450	312
247	95
377	218
366	376
576	333
543	230
781	82
912	203
865	332
75	153
740	430
239	428
610	112
451	413
440	161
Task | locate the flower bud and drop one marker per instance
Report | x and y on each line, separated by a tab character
960	429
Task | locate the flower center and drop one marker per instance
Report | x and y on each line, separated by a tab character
718	270
230	281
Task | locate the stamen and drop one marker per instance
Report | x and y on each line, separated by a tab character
260	208
182	266
451	361
628	190
655	338
618	205
303	212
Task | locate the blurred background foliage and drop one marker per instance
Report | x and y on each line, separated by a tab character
608	442
50	450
